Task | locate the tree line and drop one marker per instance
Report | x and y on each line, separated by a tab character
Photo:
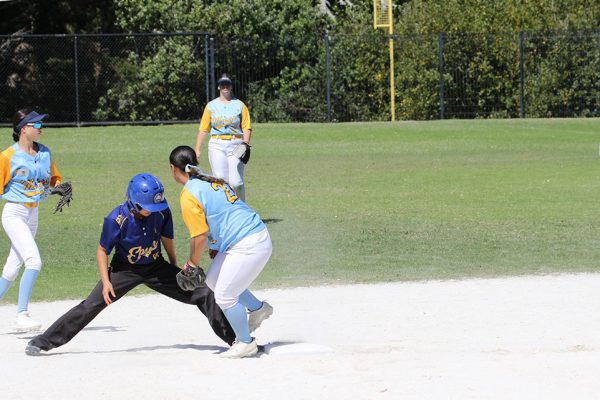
282	51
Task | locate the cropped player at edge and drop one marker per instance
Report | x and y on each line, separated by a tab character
28	173
227	120
238	242
135	229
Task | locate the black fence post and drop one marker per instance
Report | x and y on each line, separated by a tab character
76	62
521	77
327	78
441	62
212	68
206	71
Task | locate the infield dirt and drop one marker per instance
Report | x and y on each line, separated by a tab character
534	337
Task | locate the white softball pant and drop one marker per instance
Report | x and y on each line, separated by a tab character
20	224
226	166
232	272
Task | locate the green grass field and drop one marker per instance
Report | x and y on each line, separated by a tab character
356	202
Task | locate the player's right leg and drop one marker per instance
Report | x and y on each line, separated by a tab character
217	157
240	266
78	317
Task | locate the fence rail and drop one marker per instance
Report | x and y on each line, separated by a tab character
150	78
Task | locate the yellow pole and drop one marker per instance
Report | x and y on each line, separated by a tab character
392	86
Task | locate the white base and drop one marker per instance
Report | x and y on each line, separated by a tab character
297	349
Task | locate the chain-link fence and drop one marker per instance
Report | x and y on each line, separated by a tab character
165	78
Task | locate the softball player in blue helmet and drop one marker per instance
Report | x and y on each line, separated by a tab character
238	242
227	120
135	229
27	173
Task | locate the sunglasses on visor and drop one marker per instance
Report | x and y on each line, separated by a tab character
36	125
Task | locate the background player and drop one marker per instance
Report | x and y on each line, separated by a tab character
238	240
227	121
135	229
27	172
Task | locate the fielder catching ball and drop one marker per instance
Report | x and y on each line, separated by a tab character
237	239
28	174
227	121
135	230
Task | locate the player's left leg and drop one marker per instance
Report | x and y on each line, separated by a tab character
20	224
78	317
235	176
164	281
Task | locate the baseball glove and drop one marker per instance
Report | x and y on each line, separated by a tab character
190	277
65	190
242	151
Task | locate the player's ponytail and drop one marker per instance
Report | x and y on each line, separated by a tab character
18	117
184	159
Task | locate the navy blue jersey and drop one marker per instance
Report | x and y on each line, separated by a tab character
137	241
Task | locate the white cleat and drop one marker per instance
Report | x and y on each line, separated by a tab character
256	317
24	323
240	350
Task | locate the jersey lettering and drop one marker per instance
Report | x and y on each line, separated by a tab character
135	253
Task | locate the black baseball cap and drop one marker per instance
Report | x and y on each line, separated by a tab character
224	80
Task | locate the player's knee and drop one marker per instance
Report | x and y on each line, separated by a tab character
224	302
236	183
33	263
11	275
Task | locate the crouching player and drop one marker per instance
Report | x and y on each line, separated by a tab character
135	229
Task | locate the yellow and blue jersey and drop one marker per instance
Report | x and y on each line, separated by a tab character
136	241
215	209
26	178
220	118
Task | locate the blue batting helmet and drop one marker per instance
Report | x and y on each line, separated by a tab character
145	191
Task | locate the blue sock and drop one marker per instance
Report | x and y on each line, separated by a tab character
250	301
236	316
4	285
27	280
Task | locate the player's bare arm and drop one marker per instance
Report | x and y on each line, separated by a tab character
247	135
169	246
107	288
197	245
199	140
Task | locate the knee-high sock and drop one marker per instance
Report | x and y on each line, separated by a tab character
4	285
250	301
25	287
238	320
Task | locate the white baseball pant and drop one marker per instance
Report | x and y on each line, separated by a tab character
20	224
232	272
226	166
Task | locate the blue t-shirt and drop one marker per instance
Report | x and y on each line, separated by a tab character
137	241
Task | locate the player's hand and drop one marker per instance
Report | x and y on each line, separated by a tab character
212	253
107	290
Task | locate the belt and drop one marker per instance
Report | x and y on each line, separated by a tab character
28	205
226	137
